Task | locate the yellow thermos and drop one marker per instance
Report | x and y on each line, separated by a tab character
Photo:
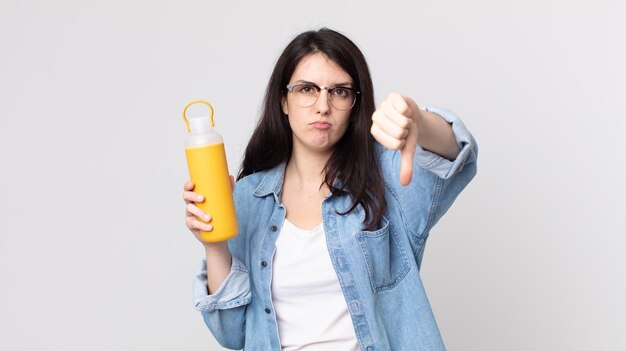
206	160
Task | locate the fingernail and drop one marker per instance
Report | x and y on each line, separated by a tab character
206	218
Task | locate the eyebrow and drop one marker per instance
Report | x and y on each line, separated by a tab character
334	85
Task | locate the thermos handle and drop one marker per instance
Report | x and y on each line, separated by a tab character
197	102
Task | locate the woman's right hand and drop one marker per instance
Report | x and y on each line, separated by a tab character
195	218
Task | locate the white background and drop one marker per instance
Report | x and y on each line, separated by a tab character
94	254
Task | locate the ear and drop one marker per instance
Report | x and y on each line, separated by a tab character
283	104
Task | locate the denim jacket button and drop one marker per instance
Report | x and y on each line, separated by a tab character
273	228
263	263
267	310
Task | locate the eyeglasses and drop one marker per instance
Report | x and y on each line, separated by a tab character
306	94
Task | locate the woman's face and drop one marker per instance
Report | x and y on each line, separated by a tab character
320	126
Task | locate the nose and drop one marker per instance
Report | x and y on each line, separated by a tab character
323	103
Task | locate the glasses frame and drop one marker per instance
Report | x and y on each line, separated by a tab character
319	89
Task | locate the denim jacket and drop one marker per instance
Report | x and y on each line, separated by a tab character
378	270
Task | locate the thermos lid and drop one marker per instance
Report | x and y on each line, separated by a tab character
201	123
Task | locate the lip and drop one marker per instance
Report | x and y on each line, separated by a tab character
320	125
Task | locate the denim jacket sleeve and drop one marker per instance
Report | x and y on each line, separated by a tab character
435	184
224	310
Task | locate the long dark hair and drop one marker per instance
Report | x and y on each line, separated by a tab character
353	160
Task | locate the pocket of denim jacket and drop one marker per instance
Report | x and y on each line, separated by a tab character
386	259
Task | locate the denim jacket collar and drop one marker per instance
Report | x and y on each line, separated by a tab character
272	182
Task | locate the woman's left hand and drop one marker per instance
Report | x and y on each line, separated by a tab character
396	126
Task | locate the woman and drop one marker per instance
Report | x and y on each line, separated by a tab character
335	200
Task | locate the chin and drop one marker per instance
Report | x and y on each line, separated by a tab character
323	145
316	144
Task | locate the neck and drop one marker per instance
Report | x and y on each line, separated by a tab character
306	168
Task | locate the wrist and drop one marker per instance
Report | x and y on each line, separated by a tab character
215	247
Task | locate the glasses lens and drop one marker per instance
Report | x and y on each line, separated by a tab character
342	98
305	95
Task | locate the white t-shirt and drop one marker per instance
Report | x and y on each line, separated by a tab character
310	308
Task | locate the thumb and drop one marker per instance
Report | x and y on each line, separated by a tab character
406	154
